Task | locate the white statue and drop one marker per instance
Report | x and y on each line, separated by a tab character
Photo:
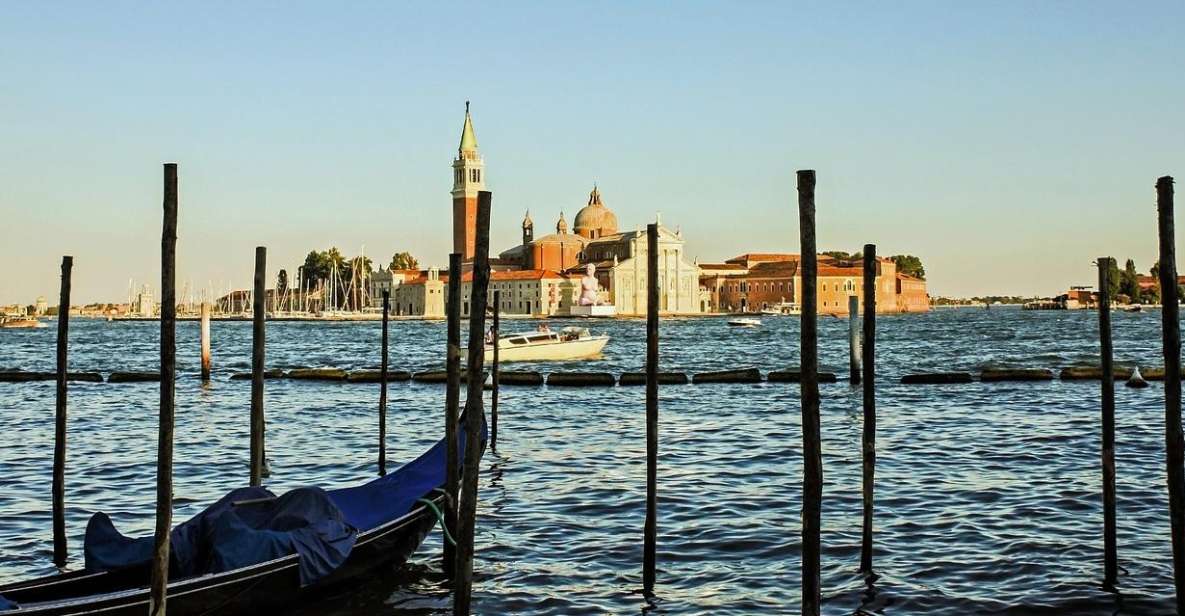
589	287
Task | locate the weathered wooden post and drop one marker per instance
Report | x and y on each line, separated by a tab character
854	340
494	374
650	533
474	411
452	395
59	443
205	335
159	581
869	436
812	470
383	388
257	365
1174	441
1110	557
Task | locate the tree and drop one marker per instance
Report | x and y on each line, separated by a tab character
1129	282
910	266
282	282
404	261
1155	269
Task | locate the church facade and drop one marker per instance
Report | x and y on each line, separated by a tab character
619	258
541	275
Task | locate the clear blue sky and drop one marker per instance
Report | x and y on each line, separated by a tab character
1007	144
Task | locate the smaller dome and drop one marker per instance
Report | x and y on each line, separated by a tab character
595	220
561	226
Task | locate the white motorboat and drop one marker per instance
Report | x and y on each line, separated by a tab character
745	322
783	308
546	345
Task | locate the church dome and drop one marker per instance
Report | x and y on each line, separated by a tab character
594	219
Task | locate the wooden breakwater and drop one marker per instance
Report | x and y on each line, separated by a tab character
567	378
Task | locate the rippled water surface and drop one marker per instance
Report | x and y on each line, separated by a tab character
988	495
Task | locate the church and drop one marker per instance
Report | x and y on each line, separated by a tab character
619	257
541	276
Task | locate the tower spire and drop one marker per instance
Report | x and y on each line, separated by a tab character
468	138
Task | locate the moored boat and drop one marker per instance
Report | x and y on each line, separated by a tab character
546	345
20	322
745	322
376	524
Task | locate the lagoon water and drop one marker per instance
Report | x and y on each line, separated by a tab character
987	498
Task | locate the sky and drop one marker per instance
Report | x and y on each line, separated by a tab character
1007	144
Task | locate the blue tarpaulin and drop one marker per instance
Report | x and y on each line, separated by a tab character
317	525
303	521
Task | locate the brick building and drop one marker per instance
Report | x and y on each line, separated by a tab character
766	280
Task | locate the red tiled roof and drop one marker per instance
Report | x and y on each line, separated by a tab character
763	256
721	266
507	276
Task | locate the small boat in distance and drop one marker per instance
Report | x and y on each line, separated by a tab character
782	308
745	322
8	322
546	345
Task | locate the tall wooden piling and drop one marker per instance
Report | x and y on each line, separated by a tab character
812	469
383	388
1174	440
159	578
452	395
474	411
853	339
869	437
59	443
650	538
1110	557
494	369
257	366
205	335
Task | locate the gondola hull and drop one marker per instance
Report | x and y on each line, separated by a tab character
251	590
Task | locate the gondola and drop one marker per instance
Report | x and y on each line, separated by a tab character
391	516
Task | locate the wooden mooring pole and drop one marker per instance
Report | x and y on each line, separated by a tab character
159	577
474	411
854	339
452	395
812	469
650	539
494	373
205	335
59	443
1174	440
869	436
1110	558
383	388
257	367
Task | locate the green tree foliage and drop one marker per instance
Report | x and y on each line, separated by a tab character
404	261
910	265
282	281
340	277
1129	281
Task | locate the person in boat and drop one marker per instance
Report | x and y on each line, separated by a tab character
490	335
543	328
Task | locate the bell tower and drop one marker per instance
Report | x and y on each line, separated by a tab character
528	228
468	179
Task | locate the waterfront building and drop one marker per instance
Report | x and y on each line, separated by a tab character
41	307
770	279
422	295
